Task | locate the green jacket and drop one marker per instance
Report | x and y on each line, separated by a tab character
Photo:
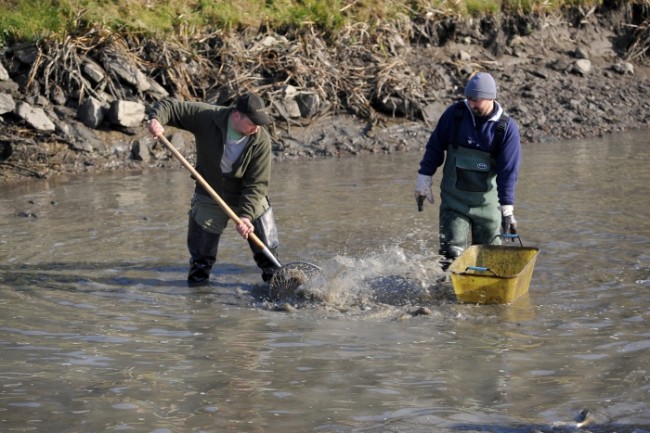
247	185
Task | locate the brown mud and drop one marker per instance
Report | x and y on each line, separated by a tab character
574	75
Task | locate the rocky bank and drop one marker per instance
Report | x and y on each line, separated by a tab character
77	106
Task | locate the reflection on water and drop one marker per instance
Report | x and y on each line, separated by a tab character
99	332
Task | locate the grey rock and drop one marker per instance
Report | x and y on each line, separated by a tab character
582	67
464	56
35	117
91	113
82	145
178	141
393	105
140	151
26	53
58	95
624	68
126	113
7	104
4	75
94	71
128	72
432	112
85	138
581	53
292	108
9	86
156	90
308	103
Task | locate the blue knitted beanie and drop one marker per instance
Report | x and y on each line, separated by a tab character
481	86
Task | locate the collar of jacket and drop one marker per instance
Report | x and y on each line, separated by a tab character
494	118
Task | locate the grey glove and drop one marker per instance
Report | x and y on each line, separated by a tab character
508	221
423	190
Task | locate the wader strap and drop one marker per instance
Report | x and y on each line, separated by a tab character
458	118
500	132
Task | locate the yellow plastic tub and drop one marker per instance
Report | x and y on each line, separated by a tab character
492	274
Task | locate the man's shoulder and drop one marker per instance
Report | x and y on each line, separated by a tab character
217	113
208	107
455	109
263	136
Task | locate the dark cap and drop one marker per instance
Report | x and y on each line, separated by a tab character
253	107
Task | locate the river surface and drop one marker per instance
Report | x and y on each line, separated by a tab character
99	333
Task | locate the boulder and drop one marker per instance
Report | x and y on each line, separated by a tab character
91	113
7	104
35	117
4	75
126	113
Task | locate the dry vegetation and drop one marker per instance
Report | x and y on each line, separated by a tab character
361	66
216	65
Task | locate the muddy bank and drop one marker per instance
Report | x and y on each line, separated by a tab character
73	107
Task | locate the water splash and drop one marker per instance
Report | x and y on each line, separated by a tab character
391	277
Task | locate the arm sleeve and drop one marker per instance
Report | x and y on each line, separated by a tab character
434	153
180	114
508	162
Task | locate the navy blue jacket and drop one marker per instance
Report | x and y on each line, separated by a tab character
477	133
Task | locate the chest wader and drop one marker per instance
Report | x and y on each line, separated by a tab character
469	201
207	220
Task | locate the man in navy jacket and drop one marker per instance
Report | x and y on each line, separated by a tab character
480	147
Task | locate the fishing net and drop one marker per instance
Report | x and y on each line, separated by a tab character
286	280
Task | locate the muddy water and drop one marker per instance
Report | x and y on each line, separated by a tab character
98	331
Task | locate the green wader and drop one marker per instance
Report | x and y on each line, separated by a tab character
469	201
207	221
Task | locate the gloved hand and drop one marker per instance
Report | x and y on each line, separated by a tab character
508	221
423	189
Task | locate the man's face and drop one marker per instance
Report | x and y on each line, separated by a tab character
481	107
243	124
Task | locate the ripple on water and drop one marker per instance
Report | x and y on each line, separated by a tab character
124	406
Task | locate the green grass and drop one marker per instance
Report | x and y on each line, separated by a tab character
34	19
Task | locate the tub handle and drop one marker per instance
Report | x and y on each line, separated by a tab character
480	269
508	236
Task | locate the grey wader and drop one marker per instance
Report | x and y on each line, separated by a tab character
469	202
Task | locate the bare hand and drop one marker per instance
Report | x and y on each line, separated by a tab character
155	127
245	228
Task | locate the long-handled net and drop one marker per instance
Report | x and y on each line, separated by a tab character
287	280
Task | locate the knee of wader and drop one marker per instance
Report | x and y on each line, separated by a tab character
201	243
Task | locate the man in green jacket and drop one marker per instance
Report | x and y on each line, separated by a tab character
233	155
